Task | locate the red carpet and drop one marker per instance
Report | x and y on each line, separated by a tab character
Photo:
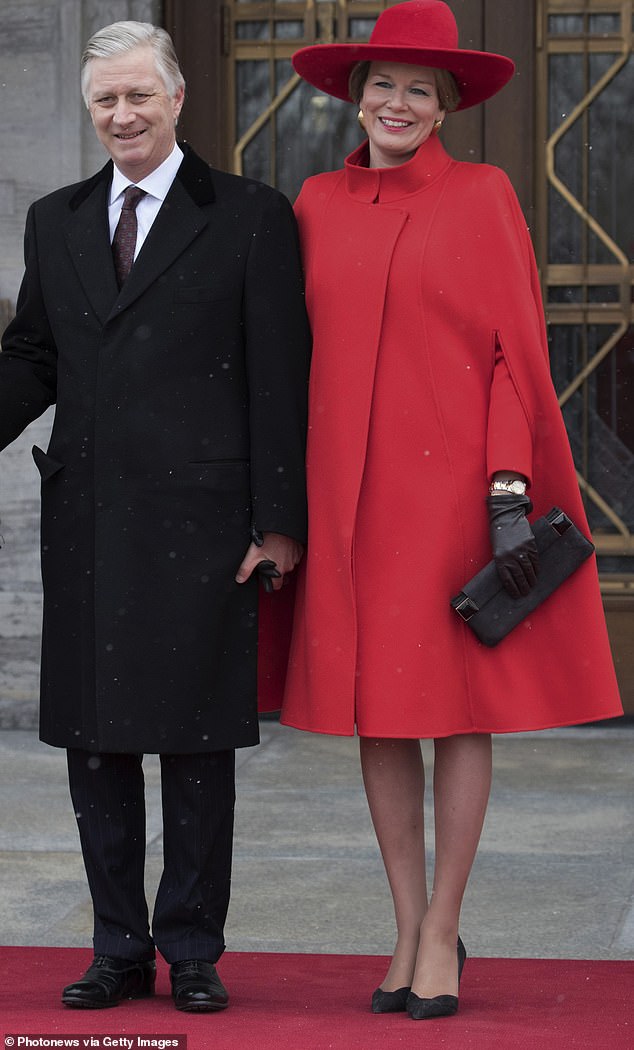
321	1002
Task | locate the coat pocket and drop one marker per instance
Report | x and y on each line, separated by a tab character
46	465
205	294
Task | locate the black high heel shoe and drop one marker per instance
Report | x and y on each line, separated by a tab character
389	1002
440	1005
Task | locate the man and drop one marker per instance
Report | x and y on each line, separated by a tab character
174	469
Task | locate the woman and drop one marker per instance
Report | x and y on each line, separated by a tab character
429	384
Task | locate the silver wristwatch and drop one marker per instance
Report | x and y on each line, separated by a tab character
516	487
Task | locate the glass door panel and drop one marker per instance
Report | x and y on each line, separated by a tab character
586	86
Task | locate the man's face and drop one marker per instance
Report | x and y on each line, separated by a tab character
132	112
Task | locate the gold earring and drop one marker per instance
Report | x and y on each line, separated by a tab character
437	125
360	119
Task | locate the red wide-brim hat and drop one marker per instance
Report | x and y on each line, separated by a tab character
419	33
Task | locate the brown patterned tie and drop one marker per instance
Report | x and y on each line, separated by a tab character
124	240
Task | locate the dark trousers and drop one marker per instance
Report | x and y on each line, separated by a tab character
198	797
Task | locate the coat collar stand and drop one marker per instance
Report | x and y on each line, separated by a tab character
383	185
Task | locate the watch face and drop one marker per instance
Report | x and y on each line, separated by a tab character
518	488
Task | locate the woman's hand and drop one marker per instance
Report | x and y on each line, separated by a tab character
513	542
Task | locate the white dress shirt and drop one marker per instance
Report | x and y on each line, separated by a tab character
156	186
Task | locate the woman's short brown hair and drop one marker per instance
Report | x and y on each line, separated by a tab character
446	87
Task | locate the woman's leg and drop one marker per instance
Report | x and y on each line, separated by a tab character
462	782
394	780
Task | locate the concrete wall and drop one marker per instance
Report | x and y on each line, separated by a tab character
47	141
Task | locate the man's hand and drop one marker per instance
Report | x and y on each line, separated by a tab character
283	550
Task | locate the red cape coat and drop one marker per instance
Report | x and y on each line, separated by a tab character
415	277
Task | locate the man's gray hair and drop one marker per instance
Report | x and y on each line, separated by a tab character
120	37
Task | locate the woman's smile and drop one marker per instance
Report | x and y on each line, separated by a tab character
397	125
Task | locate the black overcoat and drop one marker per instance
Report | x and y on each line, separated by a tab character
179	426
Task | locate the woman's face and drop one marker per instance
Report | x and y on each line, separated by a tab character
400	105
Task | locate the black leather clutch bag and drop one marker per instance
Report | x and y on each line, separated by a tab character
491	612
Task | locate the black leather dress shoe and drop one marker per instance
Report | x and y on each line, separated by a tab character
108	980
196	987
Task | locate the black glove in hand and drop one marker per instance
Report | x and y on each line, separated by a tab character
513	543
268	571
